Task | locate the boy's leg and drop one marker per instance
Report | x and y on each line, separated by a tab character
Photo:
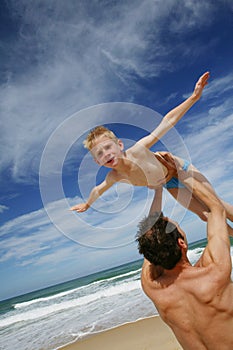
194	205
189	201
200	177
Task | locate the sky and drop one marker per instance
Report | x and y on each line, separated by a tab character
69	66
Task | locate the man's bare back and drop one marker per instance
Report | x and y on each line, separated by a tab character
195	301
208	300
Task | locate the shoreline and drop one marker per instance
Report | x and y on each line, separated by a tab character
148	333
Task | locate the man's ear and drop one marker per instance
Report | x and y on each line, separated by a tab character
182	243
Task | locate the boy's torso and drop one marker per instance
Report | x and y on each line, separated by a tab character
142	168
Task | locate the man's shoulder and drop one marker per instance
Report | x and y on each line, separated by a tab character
203	282
150	274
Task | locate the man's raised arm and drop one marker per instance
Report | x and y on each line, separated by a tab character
218	247
156	205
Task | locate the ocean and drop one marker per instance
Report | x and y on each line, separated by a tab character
55	316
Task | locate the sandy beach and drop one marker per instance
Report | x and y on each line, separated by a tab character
146	334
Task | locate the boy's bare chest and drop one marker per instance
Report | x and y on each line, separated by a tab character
135	176
143	170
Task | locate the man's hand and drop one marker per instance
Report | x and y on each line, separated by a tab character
80	207
202	82
174	166
169	162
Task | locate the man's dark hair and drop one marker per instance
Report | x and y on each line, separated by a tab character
158	241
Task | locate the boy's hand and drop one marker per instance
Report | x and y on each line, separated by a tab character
80	207
201	83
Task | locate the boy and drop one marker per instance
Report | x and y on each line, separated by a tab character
141	167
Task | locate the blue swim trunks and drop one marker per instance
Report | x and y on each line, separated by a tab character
174	182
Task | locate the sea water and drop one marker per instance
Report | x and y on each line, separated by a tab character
55	316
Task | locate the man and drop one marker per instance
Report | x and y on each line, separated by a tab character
195	301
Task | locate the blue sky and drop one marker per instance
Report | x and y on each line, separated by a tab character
68	66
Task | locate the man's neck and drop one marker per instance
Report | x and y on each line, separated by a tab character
180	267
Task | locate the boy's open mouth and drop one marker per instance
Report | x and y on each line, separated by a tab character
110	160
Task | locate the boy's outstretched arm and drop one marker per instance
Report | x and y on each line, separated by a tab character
172	117
96	192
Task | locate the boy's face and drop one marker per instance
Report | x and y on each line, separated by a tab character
106	151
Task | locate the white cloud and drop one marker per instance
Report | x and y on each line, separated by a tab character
211	146
3	208
67	56
219	86
208	133
33	239
73	55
